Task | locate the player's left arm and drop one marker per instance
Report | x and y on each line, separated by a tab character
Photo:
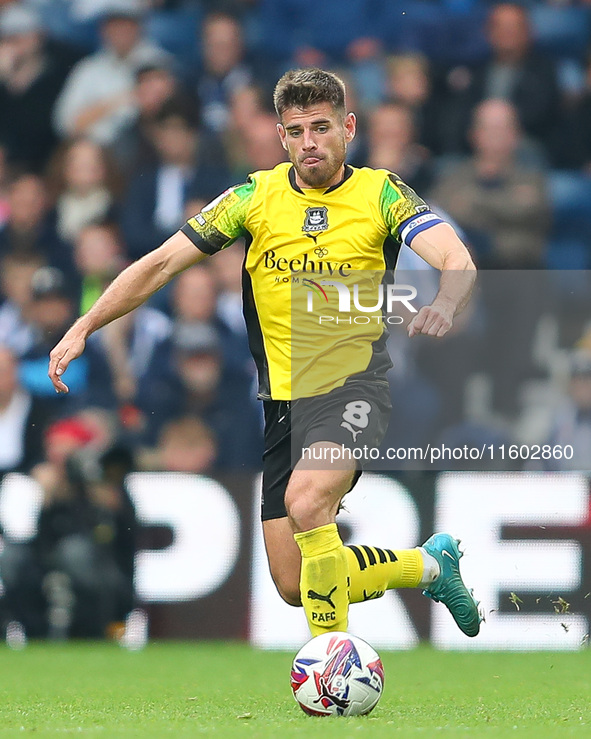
442	248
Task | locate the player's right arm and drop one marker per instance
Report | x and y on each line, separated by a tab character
128	290
215	228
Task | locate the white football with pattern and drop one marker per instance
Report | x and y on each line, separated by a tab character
337	674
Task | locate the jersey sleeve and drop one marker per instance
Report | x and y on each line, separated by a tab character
404	212
223	220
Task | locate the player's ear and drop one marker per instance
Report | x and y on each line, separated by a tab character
350	127
281	132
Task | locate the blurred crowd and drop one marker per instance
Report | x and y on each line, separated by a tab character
119	119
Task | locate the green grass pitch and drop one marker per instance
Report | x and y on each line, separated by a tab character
232	690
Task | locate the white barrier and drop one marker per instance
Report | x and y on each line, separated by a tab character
206	530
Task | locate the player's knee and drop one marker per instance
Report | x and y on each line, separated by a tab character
305	510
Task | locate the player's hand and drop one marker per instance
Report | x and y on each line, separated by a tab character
68	349
432	320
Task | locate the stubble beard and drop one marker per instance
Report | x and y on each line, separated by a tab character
321	173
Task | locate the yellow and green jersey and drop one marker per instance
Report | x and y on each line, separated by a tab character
299	244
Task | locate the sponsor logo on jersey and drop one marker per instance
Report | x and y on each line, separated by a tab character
309	263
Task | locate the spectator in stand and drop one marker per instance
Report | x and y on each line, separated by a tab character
29	232
257	147
504	209
22	420
155	85
407	79
85	186
502	206
224	69
190	165
408	82
32	73
227	270
195	295
50	311
218	395
16	275
195	303
99	258
97	99
246	104
185	445
357	149
136	349
75	579
392	145
214	362
198	359
193	298
514	72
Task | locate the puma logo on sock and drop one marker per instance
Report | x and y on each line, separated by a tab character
313	595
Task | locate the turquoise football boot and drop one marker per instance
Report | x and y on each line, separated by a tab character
449	587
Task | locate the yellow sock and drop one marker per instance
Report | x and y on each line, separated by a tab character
372	571
324	579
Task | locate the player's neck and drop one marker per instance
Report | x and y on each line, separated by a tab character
337	178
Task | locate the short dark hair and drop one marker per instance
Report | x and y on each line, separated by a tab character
301	88
179	107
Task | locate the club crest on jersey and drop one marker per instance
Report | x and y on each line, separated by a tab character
316	219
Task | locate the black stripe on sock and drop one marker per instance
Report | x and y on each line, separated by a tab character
360	558
371	557
393	557
381	554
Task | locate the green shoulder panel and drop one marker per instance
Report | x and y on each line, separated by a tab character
398	203
223	220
